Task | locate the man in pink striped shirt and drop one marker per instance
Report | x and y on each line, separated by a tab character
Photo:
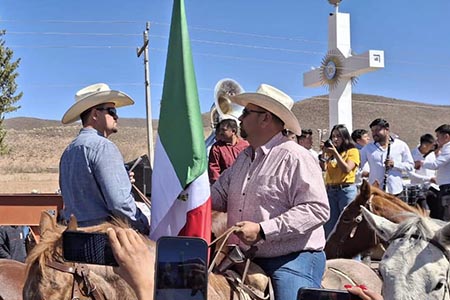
275	193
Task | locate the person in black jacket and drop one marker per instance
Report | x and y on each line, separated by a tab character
12	243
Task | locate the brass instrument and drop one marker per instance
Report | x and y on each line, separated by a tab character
223	108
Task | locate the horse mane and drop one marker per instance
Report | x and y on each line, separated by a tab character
414	226
375	191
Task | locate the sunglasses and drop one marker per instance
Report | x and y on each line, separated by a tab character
110	110
246	112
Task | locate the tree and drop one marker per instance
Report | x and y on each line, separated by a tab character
8	87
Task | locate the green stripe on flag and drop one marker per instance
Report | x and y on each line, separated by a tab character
180	125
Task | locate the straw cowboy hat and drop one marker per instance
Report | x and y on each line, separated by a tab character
273	100
94	95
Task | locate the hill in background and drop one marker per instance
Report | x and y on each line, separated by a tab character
36	144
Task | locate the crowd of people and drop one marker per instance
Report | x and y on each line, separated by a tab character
284	197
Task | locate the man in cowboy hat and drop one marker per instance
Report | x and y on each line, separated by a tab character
93	180
274	192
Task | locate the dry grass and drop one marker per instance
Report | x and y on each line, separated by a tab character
36	145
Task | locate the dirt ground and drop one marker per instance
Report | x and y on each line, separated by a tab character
29	183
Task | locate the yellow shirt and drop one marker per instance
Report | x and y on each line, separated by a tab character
335	175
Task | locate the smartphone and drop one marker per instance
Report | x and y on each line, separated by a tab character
325	294
181	269
328	143
87	247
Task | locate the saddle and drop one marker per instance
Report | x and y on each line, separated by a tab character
244	276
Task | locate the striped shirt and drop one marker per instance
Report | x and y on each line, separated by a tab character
282	189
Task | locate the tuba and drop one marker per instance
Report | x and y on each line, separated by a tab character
223	108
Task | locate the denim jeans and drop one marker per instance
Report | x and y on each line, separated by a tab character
293	271
338	198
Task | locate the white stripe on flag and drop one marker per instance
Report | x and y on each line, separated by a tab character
198	193
165	185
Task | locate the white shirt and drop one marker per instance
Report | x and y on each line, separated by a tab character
422	175
375	155
441	164
315	154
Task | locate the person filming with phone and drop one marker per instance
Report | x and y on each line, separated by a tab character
275	195
340	166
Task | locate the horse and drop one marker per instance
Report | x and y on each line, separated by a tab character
416	264
12	277
352	234
50	277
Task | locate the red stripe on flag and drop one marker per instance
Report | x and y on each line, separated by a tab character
198	222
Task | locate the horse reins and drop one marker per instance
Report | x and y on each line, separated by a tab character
225	236
80	274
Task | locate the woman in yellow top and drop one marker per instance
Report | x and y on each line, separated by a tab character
341	162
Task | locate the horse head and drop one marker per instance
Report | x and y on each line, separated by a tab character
352	234
416	263
50	277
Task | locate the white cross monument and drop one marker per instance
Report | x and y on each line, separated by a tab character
340	68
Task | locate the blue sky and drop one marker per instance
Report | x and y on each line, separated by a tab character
66	45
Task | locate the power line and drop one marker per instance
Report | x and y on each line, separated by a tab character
72	33
73	21
251	46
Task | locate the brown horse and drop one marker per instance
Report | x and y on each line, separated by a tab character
12	277
50	277
352	234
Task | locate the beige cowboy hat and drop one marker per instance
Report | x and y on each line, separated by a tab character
91	96
273	100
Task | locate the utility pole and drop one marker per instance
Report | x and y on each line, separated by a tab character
148	102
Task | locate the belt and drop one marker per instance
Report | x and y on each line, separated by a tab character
339	186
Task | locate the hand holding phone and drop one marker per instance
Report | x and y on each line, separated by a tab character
136	262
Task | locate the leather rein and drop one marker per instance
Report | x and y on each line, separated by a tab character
82	287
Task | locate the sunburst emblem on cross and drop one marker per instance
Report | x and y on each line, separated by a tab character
332	68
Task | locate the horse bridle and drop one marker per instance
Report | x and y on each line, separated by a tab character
358	219
438	245
80	274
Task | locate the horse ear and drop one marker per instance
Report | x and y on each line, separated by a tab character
73	223
382	226
47	222
364	192
444	235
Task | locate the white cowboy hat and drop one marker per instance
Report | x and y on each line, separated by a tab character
273	100
91	96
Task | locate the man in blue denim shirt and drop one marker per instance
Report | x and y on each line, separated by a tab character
93	180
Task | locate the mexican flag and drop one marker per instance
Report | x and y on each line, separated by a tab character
181	203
